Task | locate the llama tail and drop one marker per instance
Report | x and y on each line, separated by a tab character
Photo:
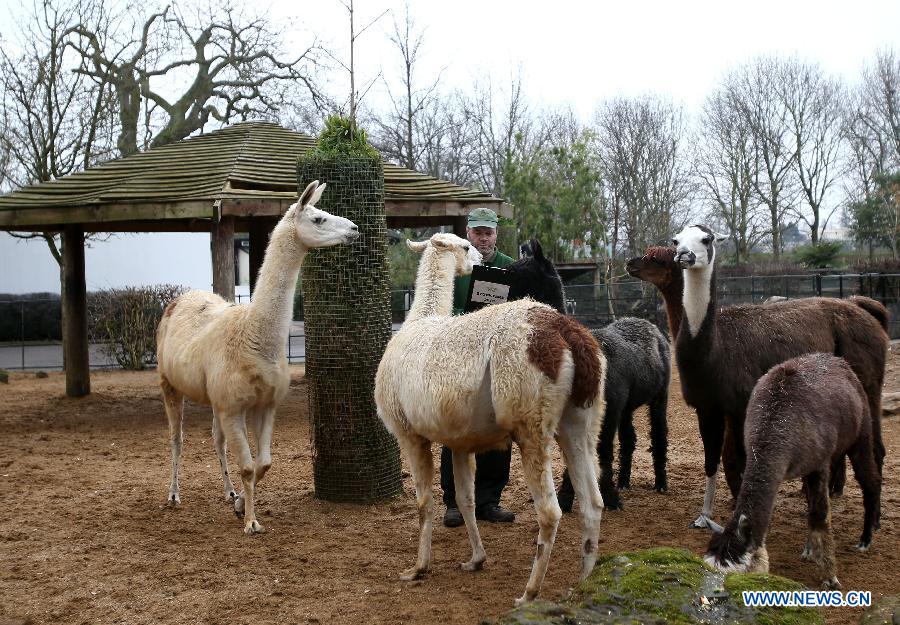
586	356
874	308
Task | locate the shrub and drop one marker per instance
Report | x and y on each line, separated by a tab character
825	254
125	321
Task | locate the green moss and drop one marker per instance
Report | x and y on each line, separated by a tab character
663	582
737	583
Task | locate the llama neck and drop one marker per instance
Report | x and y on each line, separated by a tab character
673	294
699	300
762	478
272	307
434	286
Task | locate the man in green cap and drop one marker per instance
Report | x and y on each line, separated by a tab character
491	467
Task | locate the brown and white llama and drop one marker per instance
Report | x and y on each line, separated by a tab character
722	353
232	357
803	415
519	371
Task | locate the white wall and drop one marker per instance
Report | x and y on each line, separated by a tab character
124	260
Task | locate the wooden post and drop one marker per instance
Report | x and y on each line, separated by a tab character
75	335
459	226
260	231
223	257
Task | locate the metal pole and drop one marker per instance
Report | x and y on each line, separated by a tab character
22	314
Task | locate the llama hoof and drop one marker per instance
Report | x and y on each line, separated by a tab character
411	574
239	505
174	499
702	522
862	547
231	496
523	600
661	486
472	565
253	527
806	555
831	584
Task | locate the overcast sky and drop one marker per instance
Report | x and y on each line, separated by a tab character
568	53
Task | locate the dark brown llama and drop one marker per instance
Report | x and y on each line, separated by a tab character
803	414
722	353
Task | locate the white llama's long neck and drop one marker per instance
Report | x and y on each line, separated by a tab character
434	285
699	299
272	306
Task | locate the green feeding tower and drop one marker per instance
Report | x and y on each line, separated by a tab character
347	313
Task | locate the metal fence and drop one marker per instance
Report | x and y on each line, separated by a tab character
29	328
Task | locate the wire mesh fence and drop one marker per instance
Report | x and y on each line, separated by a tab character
30	328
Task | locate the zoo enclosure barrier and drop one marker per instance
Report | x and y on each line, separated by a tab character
30	328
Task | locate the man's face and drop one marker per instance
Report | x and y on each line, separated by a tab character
484	239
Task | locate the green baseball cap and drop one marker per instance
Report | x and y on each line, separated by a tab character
482	218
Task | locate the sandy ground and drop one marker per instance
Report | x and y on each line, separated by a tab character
87	537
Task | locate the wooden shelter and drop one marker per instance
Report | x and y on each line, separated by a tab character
241	178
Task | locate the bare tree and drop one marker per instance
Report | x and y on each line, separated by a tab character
873	127
495	119
645	173
725	165
814	103
403	133
55	121
230	65
754	90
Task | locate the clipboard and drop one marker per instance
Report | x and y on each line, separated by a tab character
488	285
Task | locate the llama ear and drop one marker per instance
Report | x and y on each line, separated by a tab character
720	237
743	526
439	243
417	246
317	194
536	250
308	192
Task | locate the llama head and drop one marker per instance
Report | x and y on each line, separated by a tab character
464	253
734	551
695	246
536	277
318	228
657	266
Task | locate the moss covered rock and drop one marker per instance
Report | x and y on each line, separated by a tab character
885	611
663	585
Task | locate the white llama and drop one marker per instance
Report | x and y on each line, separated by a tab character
517	371
232	356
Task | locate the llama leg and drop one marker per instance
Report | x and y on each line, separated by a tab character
263	427
574	439
820	538
219	441
838	476
566	493
174	403
712	431
605	450
627	443
235	429
421	465
464	483
733	457
866	471
539	476
659	441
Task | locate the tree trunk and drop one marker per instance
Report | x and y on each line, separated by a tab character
347	312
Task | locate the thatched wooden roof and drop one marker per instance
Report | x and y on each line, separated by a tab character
244	170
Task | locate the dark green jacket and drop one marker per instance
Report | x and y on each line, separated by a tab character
461	284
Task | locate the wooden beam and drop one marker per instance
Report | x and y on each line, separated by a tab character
223	258
74	301
260	231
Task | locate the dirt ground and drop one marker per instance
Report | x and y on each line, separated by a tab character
87	537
